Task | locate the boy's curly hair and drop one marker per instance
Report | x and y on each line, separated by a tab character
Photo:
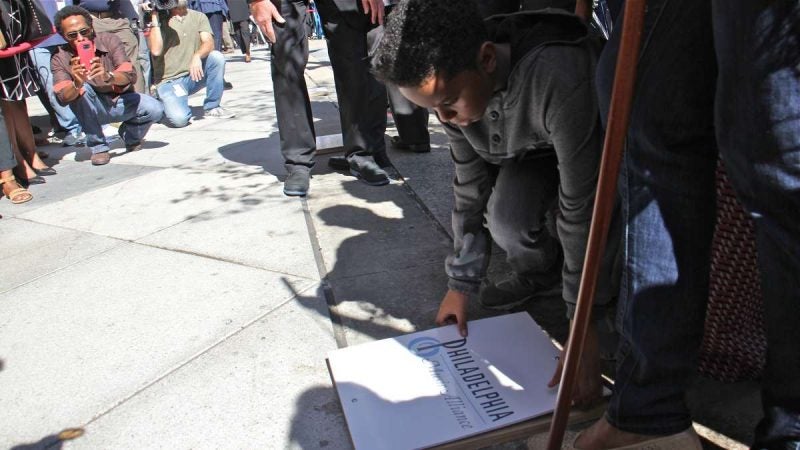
69	11
424	37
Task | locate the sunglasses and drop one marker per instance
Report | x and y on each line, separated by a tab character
72	35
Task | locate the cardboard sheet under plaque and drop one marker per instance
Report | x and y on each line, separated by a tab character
433	387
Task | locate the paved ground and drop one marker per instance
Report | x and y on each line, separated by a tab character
176	299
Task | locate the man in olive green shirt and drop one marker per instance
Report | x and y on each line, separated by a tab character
184	61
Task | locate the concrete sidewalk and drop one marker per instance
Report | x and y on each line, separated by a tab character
175	298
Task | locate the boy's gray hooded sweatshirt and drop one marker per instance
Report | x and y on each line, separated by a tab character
549	104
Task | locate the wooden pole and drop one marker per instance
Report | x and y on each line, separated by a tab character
616	131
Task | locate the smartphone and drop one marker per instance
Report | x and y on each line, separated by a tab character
86	53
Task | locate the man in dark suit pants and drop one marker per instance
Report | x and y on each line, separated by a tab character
362	100
292	106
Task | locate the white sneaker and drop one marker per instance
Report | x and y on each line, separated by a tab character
219	113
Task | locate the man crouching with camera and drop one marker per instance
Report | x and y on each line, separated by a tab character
184	61
92	74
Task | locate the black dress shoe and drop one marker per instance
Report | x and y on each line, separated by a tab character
365	169
416	148
47	171
338	163
33	180
296	184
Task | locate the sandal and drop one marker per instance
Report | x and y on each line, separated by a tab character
19	195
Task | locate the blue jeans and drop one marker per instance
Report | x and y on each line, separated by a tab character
668	189
67	120
175	93
136	112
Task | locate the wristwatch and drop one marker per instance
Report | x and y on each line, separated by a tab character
110	76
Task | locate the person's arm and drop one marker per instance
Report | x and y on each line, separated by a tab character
67	80
196	65
573	122
374	9
264	12
155	41
466	266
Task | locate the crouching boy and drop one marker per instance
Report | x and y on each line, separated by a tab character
516	97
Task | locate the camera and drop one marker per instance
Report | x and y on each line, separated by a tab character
164	5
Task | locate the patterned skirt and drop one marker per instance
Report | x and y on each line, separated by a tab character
18	74
19	77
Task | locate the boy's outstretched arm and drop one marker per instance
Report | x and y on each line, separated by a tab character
466	265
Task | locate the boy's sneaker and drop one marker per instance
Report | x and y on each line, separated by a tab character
516	290
219	113
296	184
367	170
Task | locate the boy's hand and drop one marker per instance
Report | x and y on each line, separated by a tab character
588	389
453	310
264	12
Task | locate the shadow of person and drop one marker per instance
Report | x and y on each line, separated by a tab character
53	441
318	421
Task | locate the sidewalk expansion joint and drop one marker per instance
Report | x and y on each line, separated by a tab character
339	334
220	259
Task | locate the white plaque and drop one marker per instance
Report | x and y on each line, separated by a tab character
433	387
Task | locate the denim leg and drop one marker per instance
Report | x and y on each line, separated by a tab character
515	215
144	60
215	19
7	159
668	190
92	113
174	94
758	129
213	80
137	112
66	118
292	105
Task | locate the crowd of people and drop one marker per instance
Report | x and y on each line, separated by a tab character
112	62
522	90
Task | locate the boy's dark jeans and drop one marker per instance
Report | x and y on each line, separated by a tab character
667	184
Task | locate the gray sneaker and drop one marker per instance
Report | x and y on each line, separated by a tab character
74	140
219	113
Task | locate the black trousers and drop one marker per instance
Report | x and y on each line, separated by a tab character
242	30
292	105
362	99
